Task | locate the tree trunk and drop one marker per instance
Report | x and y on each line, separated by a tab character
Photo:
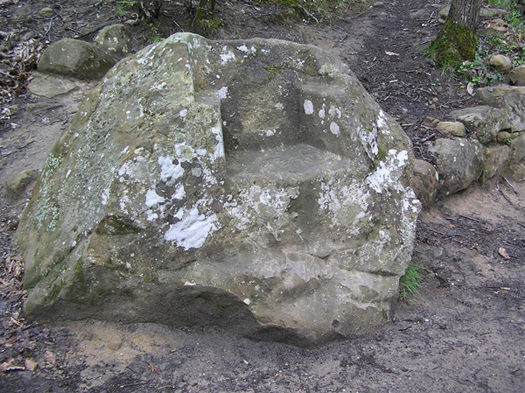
465	13
457	41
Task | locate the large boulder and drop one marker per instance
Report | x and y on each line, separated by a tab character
75	58
248	184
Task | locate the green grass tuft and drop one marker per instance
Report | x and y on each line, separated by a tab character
410	283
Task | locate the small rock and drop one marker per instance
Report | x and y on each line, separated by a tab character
460	162
432	107
114	40
517	75
115	344
50	86
454	128
435	100
492	12
430	121
46	12
503	136
75	58
378	4
17	185
425	182
30	365
497	25
501	63
443	13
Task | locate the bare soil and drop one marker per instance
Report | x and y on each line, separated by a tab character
463	333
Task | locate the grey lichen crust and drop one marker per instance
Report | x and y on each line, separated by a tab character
249	184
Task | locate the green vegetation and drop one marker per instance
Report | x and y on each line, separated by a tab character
479	72
502	37
125	8
410	283
207	21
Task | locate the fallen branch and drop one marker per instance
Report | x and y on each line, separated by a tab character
510	185
502	193
307	13
428	138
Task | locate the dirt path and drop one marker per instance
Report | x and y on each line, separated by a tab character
464	333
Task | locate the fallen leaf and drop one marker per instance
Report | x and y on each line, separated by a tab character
50	357
470	88
31	365
503	253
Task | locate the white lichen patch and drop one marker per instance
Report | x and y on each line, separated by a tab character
179	192
334	128
227	56
389	171
247	51
169	172
192	230
219	148
104	197
223	92
335	112
382	124
153	199
369	141
151	215
308	107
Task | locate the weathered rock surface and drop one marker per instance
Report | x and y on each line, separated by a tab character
484	121
497	159
511	100
115	40
425	182
517	157
75	58
459	162
248	184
